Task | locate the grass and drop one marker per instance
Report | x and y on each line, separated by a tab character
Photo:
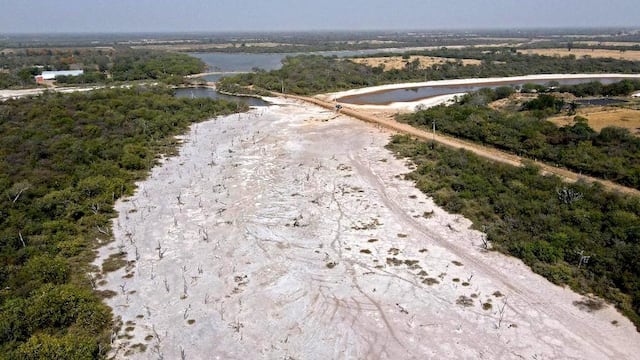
114	262
600	117
430	281
398	63
464	301
580	53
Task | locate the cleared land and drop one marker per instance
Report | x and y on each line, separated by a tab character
602	116
398	62
632	55
608	43
286	233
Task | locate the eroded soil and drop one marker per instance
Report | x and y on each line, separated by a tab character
289	233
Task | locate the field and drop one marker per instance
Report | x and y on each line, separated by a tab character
398	62
631	55
602	116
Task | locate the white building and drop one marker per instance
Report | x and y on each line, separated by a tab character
51	75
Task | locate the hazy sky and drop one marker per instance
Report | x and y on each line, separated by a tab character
19	16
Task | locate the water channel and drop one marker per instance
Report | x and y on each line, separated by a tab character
385	97
202	92
228	63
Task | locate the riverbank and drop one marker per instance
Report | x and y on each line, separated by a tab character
288	232
410	106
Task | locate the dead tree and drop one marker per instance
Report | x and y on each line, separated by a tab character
501	312
160	251
166	285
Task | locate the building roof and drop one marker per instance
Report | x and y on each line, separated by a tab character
50	75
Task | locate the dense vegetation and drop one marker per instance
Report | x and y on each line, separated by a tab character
312	74
612	154
64	160
596	88
545	222
99	65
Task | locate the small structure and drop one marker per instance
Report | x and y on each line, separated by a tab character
51	75
636	95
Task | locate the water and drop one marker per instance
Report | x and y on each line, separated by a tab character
210	93
419	93
246	62
600	101
213	78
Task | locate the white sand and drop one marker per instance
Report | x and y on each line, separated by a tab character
256	206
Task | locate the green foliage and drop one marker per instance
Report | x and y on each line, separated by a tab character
544	102
540	219
64	160
144	64
100	66
46	347
612	154
312	74
595	88
307	74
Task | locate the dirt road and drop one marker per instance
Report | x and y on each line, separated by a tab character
287	233
483	151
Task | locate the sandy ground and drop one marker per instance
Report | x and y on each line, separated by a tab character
602	116
594	53
397	62
286	233
608	43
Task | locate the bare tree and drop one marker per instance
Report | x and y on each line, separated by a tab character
501	312
160	251
22	240
17	189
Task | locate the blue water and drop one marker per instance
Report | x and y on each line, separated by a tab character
210	93
600	101
213	78
227	62
418	93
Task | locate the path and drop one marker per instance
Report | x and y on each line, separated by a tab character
483	151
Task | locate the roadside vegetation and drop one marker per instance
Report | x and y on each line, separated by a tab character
64	160
573	234
314	74
100	66
611	154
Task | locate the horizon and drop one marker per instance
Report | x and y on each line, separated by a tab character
197	16
553	30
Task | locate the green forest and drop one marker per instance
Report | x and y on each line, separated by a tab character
314	74
64	160
542	220
99	65
612	154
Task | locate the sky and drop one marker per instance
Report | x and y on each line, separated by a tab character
113	16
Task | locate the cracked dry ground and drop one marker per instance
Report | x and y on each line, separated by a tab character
289	233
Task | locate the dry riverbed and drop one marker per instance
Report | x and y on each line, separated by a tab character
288	233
